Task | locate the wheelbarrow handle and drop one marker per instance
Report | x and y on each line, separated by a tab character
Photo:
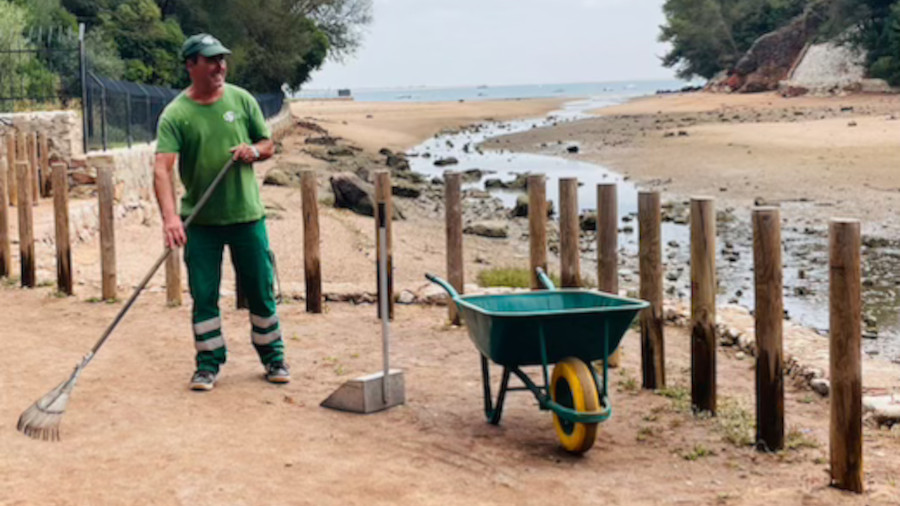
443	284
544	279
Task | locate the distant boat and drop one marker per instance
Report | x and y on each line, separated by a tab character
483	86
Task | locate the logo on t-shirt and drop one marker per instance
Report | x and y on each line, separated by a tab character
229	117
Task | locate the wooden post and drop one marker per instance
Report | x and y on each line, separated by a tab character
650	253
106	196
5	255
11	174
44	145
173	265
61	219
769	317
846	372
26	224
383	194
537	226
703	304
608	248
454	228
312	263
569	250
33	159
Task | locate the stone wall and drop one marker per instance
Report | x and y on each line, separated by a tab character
63	129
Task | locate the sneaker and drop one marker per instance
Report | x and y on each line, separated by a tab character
203	380
277	372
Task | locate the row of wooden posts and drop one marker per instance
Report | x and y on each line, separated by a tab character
845	285
845	303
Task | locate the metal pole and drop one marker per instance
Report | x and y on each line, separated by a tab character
128	113
383	289
84	102
103	114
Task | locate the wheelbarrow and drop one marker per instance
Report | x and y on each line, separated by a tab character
571	328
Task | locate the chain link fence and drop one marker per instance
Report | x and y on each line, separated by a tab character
121	113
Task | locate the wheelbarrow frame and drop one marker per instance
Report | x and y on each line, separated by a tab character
493	410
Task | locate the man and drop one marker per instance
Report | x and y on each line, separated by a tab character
204	126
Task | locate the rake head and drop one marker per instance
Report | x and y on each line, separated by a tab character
41	420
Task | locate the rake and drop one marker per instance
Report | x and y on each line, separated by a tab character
41	420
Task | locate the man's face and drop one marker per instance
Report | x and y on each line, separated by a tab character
208	71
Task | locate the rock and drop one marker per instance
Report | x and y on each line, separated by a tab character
324	140
820	386
277	177
493	229
351	192
884	408
851	124
572	149
521	208
471	175
341	151
406	189
385	152
495	184
78	178
443	162
406	297
588	221
397	162
672	276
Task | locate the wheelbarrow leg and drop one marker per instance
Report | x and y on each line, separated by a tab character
493	412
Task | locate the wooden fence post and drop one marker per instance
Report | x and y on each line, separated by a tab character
650	258
569	250
312	263
846	371
383	194
454	228
703	304
26	225
608	248
61	220
44	145
35	167
106	197
173	265
5	255
11	174
769	313
537	226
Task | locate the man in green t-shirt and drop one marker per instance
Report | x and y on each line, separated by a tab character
204	126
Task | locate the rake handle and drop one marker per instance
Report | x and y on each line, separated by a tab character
162	258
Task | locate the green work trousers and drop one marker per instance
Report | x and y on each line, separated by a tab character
249	246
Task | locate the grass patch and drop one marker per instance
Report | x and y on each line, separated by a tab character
679	395
796	439
628	384
737	425
697	452
93	300
645	433
10	281
509	276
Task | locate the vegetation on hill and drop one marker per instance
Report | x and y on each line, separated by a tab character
275	42
708	36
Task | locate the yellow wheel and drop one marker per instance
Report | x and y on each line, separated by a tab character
572	386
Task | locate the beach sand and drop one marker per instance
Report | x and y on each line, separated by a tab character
134	434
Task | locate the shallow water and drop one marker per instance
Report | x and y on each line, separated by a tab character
805	253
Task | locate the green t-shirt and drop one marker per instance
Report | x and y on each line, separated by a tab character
202	136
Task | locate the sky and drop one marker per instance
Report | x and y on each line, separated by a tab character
497	42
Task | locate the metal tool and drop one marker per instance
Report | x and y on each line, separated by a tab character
386	388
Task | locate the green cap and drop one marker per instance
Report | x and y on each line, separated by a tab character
203	44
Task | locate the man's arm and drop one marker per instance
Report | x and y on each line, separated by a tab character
245	152
173	228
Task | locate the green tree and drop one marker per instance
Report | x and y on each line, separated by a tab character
272	44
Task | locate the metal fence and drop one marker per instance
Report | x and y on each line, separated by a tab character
121	113
40	68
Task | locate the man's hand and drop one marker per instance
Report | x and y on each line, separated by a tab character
173	232
245	153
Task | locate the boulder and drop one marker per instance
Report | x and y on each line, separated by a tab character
406	189
351	192
473	175
521	208
341	151
493	229
277	177
443	162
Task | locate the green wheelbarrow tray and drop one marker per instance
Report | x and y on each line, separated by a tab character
541	328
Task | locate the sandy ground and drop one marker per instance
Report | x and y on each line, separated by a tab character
134	434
